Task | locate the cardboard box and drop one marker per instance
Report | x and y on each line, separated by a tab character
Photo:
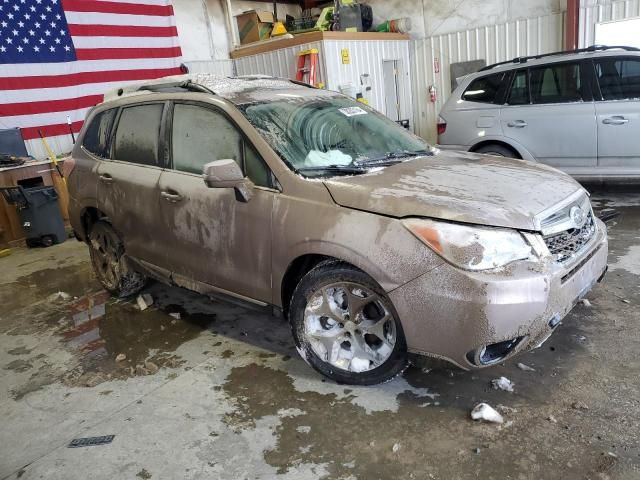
254	26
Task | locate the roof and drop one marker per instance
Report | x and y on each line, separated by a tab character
239	90
589	52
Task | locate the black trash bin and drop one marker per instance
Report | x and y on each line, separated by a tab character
39	214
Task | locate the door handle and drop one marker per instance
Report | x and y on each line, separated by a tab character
517	124
171	197
615	120
106	178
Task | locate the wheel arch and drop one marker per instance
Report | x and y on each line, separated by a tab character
299	267
88	217
522	152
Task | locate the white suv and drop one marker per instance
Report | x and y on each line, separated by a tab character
578	111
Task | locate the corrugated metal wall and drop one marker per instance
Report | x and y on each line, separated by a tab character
279	63
493	44
365	57
591	15
218	67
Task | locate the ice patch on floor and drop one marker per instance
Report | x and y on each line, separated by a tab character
629	262
376	398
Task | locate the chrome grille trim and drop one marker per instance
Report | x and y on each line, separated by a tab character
565	245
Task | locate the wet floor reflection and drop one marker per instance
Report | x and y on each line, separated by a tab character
114	339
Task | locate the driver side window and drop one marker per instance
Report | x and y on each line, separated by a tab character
201	135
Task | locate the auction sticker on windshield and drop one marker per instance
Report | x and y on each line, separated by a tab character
352	111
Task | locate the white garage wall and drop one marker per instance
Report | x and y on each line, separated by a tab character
493	44
594	11
438	17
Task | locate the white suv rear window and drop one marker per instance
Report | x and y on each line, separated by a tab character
484	89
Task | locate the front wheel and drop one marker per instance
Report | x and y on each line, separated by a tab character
345	327
110	264
497	151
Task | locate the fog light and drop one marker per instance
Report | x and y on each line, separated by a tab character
493	353
555	320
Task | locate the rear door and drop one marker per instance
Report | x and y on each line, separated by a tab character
128	183
618	114
213	237
550	112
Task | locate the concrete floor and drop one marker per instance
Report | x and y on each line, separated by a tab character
221	393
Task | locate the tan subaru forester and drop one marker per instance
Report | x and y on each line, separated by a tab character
373	243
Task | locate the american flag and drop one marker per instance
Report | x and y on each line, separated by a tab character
58	58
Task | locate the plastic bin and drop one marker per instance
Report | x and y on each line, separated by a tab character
39	214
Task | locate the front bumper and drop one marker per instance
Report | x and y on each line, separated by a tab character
452	314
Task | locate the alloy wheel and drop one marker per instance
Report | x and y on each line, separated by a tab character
350	327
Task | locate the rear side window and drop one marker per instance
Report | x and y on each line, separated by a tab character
556	83
519	94
619	78
138	133
96	138
484	89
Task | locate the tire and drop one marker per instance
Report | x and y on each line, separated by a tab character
110	263
339	333
497	151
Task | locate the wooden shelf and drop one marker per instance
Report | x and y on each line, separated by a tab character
303	38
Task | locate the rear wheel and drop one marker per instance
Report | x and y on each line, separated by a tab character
345	327
498	151
110	263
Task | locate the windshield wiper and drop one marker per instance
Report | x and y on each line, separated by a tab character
391	158
339	169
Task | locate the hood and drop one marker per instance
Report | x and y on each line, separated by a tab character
458	186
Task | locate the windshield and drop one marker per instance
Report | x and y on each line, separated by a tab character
332	135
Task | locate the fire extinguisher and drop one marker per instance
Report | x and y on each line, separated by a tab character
433	93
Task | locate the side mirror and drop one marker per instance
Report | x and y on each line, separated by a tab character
227	174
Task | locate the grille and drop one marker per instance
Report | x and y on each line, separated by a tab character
565	245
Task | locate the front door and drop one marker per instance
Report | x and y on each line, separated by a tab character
128	183
618	115
550	112
212	236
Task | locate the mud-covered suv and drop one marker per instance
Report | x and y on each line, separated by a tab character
372	243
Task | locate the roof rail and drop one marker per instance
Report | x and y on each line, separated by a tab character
188	85
592	48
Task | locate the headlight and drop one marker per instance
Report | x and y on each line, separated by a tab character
468	247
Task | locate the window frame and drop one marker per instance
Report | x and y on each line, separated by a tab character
501	92
168	142
598	97
161	134
512	79
107	147
587	76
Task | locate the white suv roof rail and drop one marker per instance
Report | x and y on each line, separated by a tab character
592	48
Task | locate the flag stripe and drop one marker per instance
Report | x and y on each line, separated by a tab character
125	42
116	7
83	18
23	121
29	133
48	106
121	31
35	69
126	53
49	81
48	94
